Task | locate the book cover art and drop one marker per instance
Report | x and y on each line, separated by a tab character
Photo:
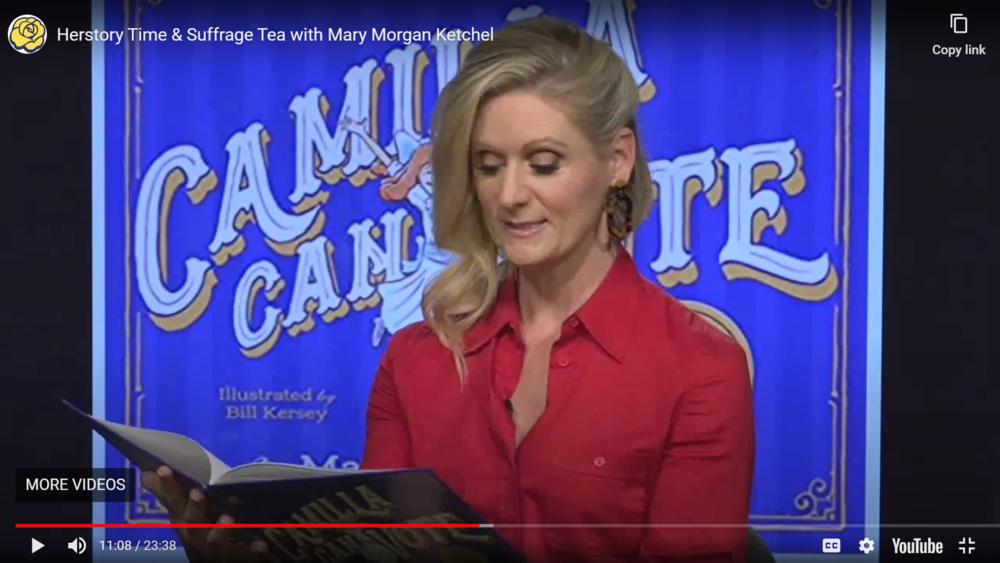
398	497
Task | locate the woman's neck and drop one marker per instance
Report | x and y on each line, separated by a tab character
548	295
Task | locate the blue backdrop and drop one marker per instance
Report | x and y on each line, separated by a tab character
249	259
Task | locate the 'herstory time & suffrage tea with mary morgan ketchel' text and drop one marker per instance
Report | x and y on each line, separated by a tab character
264	34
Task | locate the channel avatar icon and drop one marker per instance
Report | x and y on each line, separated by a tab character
27	34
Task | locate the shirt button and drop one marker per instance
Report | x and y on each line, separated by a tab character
600	462
563	362
574	322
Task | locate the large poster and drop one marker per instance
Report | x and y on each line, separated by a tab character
267	227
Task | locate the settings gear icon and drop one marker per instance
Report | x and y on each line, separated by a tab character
867	545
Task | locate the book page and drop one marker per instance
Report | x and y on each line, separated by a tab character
180	453
279	472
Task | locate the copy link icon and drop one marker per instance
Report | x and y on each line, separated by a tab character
867	545
959	23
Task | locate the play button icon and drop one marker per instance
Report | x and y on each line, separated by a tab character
36	545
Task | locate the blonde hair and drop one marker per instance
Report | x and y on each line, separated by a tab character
558	60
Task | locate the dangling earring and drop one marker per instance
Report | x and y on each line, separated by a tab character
618	207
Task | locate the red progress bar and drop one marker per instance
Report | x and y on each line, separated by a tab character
250	526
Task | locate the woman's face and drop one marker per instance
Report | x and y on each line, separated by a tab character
541	183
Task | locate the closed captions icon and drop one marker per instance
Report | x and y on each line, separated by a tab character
831	545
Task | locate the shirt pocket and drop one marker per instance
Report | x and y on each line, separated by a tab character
602	499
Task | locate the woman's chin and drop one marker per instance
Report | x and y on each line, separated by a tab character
524	257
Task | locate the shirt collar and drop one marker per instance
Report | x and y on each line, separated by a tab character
602	315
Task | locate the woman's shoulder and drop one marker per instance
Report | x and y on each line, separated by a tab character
699	329
416	343
418	364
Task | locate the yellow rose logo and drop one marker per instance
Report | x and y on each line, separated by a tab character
27	34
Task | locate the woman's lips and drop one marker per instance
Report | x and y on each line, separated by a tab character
523	229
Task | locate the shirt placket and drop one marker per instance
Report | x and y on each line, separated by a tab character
507	359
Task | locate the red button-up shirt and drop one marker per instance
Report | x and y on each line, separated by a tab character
644	453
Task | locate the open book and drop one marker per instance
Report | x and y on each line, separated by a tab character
269	496
149	449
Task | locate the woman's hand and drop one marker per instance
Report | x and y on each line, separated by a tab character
191	507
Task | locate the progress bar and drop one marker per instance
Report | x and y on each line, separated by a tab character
169	525
587	526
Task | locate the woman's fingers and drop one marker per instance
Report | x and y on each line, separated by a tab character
184	506
158	482
220	548
191	507
163	485
195	512
218	537
151	482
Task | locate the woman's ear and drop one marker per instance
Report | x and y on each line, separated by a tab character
623	151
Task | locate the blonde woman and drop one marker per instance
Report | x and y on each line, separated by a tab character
551	386
560	387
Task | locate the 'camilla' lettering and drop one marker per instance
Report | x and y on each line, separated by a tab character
756	180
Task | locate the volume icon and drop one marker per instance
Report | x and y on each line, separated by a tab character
77	546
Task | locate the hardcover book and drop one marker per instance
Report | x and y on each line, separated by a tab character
285	494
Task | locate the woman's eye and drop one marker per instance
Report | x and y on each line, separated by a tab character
488	170
545	169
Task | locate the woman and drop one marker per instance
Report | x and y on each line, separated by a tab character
559	391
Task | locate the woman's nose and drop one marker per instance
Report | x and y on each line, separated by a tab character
514	191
